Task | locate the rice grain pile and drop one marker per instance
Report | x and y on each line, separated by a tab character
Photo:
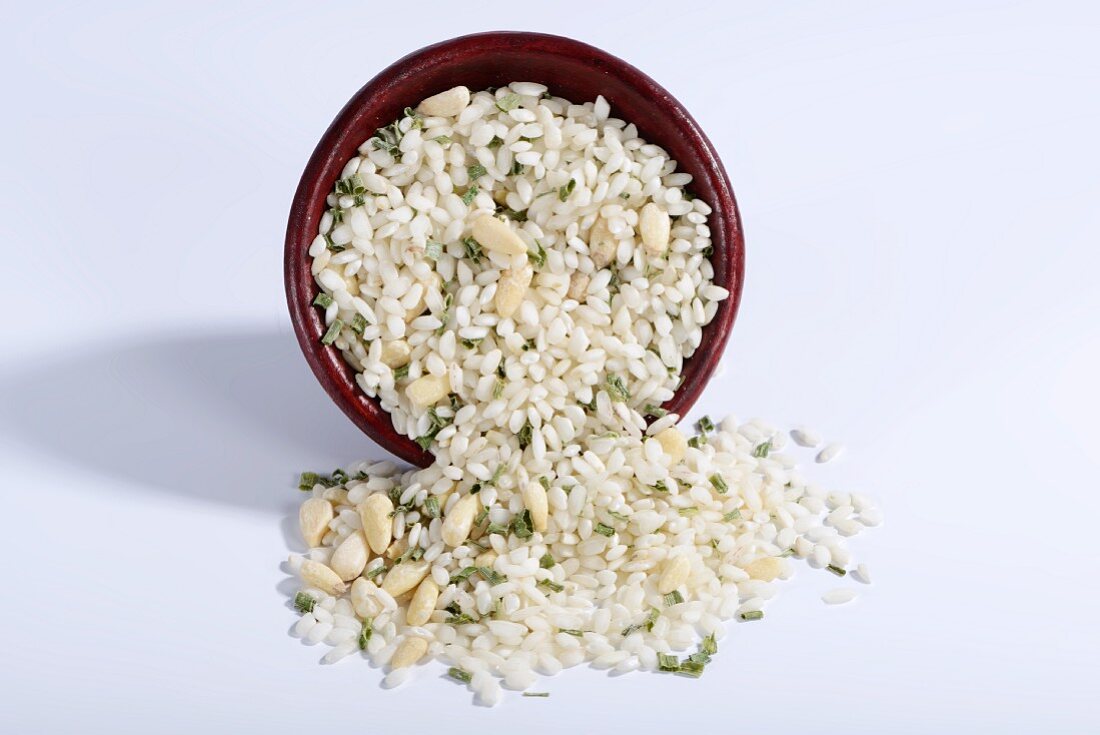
518	279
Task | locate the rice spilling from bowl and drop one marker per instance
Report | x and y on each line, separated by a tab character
519	279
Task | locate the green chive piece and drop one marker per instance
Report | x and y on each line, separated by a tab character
376	571
495	143
752	615
697	441
517	170
551	585
709	645
572	632
443	140
482	514
541	695
497	529
498	389
604	530
476	171
473	248
762	449
689	511
308	480
401	372
508	102
431	506
785	553
463	574
323	300
433	250
537	256
655	411
333	332
733	515
524	436
719	484
365	633
521	525
492	576
304	603
358	324
565	191
661	486
617	389
339	477
546	561
667	662
545	482
459	674
673	598
469	195
691	668
705	424
838	571
618	516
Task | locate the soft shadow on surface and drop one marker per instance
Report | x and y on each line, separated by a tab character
224	418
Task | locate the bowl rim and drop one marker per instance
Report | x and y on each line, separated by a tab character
318	178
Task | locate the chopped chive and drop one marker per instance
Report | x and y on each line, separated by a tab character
689	511
497	474
365	633
719	483
546	561
508	102
431	506
709	645
551	585
433	250
536	694
838	571
572	632
545	482
459	674
482	514
323	300
673	598
604	530
476	171
537	256
460	619
513	214
517	169
705	424
339	477
492	576
463	574
691	668
498	388
496	528
565	191
660	486
495	143
617	389
401	372
733	515
655	411
469	195
697	441
524	436
521	525
785	553
304	603
618	516
473	249
752	615
358	324
443	140
307	480
471	344
376	571
762	449
333	332
667	662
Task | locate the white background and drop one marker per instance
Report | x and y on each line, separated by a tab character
919	186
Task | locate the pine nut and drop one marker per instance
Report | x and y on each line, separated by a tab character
409	652
675	574
511	288
350	556
316	574
578	286
534	499
313	519
404	577
395	353
374	513
601	245
446	104
674	443
361	599
422	603
428	390
765	568
457	524
655	226
494	234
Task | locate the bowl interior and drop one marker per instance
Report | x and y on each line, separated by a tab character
570	69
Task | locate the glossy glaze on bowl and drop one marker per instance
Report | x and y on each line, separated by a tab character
571	69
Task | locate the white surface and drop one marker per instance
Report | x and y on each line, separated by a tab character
919	187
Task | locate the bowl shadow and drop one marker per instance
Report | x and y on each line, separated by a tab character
222	418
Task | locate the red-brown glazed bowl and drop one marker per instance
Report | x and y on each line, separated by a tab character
570	69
